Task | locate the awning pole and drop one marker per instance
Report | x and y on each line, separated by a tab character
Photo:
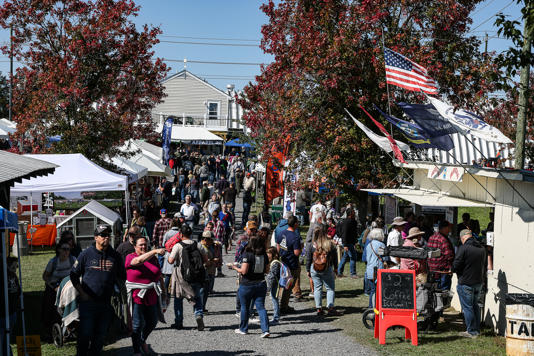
6	299
21	295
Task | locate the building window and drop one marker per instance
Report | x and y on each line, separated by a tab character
213	110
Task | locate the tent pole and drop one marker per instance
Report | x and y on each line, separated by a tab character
6	299
21	297
31	222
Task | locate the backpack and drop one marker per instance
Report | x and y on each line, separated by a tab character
286	279
320	260
169	244
192	266
240	250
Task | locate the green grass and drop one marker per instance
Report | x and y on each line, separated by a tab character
480	214
445	341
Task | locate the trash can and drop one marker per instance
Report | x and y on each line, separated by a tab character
519	324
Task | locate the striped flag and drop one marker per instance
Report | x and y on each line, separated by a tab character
404	73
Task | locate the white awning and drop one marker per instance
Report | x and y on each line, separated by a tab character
133	170
427	198
193	135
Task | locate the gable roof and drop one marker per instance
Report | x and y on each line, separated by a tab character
100	211
185	72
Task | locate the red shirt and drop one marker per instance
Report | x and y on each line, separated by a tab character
442	263
146	273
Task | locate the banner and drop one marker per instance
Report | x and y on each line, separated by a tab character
416	136
429	119
448	173
166	138
469	123
274	178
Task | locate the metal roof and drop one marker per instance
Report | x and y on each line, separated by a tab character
428	198
100	211
15	167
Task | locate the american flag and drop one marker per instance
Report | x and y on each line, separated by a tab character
404	73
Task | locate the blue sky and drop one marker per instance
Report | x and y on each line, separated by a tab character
238	22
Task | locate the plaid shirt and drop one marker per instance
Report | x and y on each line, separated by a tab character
162	226
443	262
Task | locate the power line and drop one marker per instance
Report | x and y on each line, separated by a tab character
211	62
492	16
211	43
211	38
483	7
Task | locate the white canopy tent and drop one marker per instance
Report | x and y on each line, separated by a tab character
75	173
193	135
7	127
133	170
147	155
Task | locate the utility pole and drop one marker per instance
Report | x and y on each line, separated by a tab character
523	94
11	73
486	44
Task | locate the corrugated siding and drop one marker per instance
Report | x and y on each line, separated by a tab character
468	148
186	94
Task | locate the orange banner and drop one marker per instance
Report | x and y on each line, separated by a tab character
274	179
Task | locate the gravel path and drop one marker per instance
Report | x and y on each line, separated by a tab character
301	333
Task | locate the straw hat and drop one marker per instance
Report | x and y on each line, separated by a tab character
398	221
414	232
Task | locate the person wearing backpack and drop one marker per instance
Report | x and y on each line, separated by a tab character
273	282
171	237
320	261
253	287
188	277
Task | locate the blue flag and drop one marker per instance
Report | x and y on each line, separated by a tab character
166	138
429	119
416	136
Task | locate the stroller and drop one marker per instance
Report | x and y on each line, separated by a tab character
430	301
68	315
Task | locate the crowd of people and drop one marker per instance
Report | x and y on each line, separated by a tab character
181	256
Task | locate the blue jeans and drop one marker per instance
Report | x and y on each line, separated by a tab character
328	279
350	254
253	292
371	285
246	212
301	212
198	308
95	318
144	320
208	288
444	281
12	321
276	303
469	300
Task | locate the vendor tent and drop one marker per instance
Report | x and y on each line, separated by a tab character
237	143
148	156
75	174
7	127
133	170
193	135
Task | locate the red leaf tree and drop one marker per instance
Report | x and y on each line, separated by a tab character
328	56
88	74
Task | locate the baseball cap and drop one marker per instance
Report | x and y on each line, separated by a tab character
465	232
251	225
163	211
443	224
102	230
178	215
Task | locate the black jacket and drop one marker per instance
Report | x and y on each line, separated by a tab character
469	262
348	231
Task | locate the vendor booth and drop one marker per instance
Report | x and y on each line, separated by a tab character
133	170
148	156
75	174
83	222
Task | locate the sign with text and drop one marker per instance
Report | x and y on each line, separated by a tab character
452	174
33	345
395	303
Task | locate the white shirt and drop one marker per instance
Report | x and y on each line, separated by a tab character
316	211
188	210
394	238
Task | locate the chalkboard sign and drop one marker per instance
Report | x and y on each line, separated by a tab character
397	290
